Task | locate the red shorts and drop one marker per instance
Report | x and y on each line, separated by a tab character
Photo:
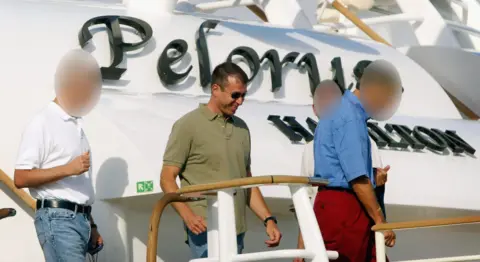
345	225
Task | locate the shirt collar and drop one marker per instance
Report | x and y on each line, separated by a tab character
61	113
211	115
355	101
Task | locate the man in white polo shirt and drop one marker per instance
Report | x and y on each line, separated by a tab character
325	95
54	162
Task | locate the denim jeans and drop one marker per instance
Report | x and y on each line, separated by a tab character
199	247
63	234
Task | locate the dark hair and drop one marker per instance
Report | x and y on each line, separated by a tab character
358	71
224	70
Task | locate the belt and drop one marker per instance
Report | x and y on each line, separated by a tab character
340	189
56	203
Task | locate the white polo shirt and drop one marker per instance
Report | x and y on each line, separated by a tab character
307	168
51	139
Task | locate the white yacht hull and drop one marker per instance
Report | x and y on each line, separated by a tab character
129	128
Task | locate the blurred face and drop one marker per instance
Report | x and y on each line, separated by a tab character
324	97
78	93
78	83
231	97
381	101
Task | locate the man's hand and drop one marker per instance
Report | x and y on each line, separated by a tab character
273	233
390	238
381	176
80	164
195	223
96	237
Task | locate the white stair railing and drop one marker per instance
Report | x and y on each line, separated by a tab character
221	234
380	238
222	240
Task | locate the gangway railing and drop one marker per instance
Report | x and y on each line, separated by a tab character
380	238
26	198
253	6
221	234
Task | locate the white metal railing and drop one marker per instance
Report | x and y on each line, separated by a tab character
212	6
464	7
222	240
380	238
221	233
375	21
463	28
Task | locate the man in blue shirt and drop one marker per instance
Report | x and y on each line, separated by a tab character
348	207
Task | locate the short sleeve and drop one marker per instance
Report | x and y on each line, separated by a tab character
32	146
178	145
348	145
376	158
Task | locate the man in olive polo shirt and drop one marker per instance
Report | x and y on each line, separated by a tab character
211	144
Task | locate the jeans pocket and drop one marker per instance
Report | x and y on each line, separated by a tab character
61	214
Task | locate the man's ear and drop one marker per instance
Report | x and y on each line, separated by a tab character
215	87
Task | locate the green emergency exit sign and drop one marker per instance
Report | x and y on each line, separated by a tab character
145	186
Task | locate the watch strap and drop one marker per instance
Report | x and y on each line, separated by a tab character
274	219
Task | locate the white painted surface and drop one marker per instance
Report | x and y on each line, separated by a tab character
129	128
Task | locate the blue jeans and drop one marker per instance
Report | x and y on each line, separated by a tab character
199	247
63	234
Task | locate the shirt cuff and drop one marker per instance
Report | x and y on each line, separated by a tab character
25	166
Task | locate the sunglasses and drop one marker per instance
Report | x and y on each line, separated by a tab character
237	95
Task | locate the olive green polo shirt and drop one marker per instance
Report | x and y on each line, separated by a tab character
210	148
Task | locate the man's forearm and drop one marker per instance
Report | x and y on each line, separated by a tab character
38	177
169	186
257	204
364	191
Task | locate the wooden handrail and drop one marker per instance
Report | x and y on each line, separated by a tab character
359	23
251	181
155	221
5	179
427	223
340	8
258	12
240	182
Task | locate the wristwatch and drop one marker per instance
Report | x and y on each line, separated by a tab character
270	218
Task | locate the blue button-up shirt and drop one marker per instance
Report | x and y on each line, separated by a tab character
341	145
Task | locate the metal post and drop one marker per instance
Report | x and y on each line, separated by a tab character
226	225
212	227
380	246
307	222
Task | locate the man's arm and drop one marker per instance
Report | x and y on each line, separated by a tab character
174	159
348	144
256	202
364	190
168	183
38	177
32	150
